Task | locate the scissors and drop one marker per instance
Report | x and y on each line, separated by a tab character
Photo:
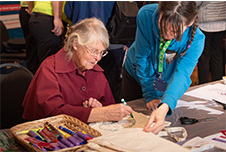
189	121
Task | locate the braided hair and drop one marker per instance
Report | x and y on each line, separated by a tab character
178	13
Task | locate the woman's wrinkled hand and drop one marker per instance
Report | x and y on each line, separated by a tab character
117	112
92	103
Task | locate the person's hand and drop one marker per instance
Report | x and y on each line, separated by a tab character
28	11
117	112
157	117
58	27
152	105
92	103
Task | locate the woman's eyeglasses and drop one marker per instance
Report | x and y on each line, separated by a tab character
96	53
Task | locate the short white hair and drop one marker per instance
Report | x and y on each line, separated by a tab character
86	31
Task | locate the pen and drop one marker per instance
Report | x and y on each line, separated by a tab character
220	140
123	101
33	134
224	105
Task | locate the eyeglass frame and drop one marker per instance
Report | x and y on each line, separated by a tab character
96	53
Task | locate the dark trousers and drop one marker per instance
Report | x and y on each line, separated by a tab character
112	66
131	90
44	42
24	22
211	59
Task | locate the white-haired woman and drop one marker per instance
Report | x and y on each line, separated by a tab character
70	82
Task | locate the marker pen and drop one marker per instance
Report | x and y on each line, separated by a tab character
220	140
70	138
66	142
55	148
83	136
61	145
44	136
36	146
75	135
67	130
33	134
53	129
124	102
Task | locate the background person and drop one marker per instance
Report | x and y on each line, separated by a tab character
47	26
212	22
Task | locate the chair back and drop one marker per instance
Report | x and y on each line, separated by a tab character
14	86
4	35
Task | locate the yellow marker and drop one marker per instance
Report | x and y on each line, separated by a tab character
66	135
26	131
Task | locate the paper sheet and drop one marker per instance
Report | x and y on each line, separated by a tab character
138	121
218	144
199	105
209	92
134	139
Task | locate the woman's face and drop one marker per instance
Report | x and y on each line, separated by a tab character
170	33
83	57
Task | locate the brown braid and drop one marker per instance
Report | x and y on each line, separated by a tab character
192	36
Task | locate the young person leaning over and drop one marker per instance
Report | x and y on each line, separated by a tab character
167	47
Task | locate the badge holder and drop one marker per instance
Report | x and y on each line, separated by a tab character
160	85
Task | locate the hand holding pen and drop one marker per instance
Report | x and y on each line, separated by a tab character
124	102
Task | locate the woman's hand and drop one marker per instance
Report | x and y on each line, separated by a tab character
114	112
157	117
92	103
117	112
152	105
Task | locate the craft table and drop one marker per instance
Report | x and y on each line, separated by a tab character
201	129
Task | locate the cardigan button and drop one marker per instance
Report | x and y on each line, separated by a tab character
83	88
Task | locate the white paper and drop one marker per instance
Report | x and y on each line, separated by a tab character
218	144
198	144
209	92
199	105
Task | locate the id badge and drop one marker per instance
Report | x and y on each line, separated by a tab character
160	85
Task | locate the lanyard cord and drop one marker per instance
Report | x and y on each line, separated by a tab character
162	49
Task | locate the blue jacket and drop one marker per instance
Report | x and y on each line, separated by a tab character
79	10
142	58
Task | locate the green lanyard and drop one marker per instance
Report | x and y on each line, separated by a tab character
162	49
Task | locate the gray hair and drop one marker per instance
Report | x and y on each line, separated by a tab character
85	31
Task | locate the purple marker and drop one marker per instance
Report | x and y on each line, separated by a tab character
220	140
73	140
33	134
61	145
66	142
83	136
55	148
82	141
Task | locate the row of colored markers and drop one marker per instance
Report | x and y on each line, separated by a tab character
49	138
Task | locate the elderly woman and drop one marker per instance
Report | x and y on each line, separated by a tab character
70	82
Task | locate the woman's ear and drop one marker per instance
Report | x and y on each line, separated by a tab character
75	46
